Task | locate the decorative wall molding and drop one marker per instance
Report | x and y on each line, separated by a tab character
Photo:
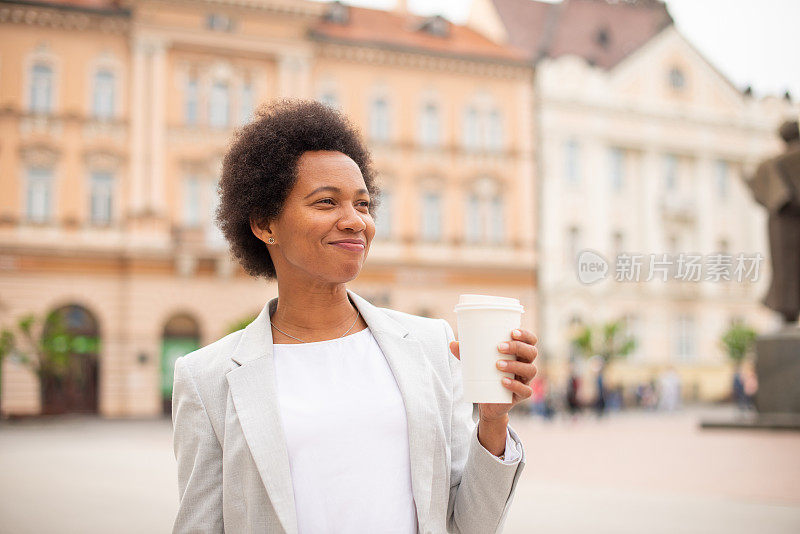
103	160
57	18
422	59
284	7
39	155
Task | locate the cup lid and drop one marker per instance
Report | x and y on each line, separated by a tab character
473	302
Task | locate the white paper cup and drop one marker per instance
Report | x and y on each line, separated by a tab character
485	321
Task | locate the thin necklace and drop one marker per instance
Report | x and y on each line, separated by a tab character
301	341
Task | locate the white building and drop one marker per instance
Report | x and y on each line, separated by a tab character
644	152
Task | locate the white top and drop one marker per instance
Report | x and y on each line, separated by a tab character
347	437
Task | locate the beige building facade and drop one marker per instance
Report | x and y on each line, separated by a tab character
114	118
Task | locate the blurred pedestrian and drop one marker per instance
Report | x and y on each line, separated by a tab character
737	389
600	394
750	387
669	390
573	389
539	387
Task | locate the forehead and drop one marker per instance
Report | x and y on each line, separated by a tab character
323	167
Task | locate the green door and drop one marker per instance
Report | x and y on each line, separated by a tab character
173	348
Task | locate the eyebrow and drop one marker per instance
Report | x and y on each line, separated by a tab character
334	189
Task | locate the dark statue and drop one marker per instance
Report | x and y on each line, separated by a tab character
776	186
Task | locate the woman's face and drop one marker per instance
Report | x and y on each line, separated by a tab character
328	203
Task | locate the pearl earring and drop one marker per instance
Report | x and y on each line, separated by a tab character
271	240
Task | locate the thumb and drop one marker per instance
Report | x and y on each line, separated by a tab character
454	349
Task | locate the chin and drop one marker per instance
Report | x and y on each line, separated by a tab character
349	272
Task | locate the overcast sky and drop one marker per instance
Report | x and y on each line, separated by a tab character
752	42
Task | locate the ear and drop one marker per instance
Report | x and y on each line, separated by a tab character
260	229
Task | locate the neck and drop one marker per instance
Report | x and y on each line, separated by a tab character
313	313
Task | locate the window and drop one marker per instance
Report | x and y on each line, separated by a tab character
41	97
330	99
214	236
470	131
721	171
495	130
102	197
191	201
379	120
431	216
684	338
617	168
39	194
603	37
429	124
573	244
218	105
496	219
219	22
191	101
618	242
572	164
103	98
472	219
481	128
676	78
436	25
670	172
337	13
246	103
383	217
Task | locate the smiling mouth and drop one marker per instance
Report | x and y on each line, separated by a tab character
353	247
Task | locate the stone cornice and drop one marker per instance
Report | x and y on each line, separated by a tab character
402	56
15	112
285	7
643	112
64	17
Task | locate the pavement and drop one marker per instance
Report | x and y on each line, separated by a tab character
630	472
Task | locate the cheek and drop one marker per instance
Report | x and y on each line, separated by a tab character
370	223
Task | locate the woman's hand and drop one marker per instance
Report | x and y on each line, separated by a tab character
522	348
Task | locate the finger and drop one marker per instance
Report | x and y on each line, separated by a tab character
525	371
524	335
455	350
524	391
522	350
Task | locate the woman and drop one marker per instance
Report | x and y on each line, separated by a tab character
326	413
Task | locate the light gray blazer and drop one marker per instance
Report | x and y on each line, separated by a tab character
233	466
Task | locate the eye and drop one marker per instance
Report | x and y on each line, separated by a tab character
324	200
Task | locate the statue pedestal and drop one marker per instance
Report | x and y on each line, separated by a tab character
778	370
778	396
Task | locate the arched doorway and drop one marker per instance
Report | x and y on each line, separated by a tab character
181	336
70	385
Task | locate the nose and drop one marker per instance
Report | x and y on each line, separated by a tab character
351	219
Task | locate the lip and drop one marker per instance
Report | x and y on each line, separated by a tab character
347	245
352	240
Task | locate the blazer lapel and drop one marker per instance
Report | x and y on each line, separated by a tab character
254	393
253	389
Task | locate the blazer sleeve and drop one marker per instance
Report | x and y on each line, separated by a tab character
481	485
199	456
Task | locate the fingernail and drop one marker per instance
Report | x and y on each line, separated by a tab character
503	346
506	381
516	333
501	364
